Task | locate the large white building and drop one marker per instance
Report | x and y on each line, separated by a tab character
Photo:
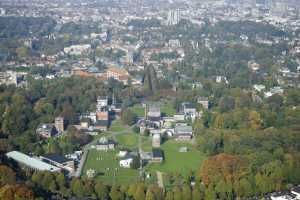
173	17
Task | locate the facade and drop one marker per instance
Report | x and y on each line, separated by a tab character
104	144
126	162
118	74
156	140
183	133
59	124
154	113
204	102
59	161
157	156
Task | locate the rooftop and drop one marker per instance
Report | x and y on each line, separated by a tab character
31	162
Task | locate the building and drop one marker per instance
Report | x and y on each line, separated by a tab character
59	161
105	144
118	74
59	124
154	113
204	102
156	140
46	130
189	110
31	162
102	104
157	156
126	162
77	49
183	133
173	17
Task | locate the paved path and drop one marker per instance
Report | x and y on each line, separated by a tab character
160	180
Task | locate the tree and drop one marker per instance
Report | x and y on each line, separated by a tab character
77	188
140	192
7	175
150	195
196	194
255	121
222	167
177	193
101	190
210	193
116	194
187	192
243	188
128	117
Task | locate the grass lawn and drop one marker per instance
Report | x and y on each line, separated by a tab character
146	143
139	110
128	140
166	109
176	161
118	126
100	161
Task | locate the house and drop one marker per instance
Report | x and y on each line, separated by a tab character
154	113
183	133
157	156
156	140
189	110
59	124
118	74
59	161
122	154
105	144
126	162
204	102
102	104
179	117
101	125
46	130
77	49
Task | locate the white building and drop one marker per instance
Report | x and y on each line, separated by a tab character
77	49
126	162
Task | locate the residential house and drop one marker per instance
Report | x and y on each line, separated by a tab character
46	130
126	162
157	156
118	74
183	133
204	102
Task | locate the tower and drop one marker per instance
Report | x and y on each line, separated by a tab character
59	124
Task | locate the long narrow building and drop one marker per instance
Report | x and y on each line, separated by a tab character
31	162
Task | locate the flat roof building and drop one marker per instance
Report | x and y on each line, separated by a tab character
31	162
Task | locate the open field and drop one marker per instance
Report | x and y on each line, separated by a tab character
129	140
118	126
166	109
107	168
176	161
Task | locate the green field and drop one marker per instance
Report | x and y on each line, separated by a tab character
118	126
165	107
176	161
107	167
128	140
139	110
